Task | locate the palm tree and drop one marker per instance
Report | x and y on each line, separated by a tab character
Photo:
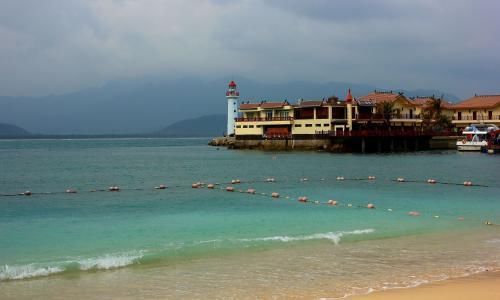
385	109
432	115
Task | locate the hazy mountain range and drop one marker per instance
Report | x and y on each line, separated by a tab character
9	130
150	104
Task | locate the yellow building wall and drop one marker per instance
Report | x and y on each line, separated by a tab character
481	116
299	126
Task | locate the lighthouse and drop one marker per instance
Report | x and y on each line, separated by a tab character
232	96
348	101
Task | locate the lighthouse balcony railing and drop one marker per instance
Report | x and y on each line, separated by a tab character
268	119
396	132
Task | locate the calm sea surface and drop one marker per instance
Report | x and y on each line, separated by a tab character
201	243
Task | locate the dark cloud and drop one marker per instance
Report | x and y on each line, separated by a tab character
53	46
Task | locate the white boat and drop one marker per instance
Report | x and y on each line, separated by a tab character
475	137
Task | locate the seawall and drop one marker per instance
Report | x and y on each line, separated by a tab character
339	144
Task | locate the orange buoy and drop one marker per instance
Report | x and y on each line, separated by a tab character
275	195
251	191
210	186
302	199
414	213
400	179
230	189
370	205
71	191
332	202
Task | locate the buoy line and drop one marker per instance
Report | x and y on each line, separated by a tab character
270	180
335	203
230	187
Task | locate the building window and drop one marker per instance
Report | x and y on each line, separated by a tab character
298	125
250	126
238	126
309	125
245	126
318	125
259	126
326	125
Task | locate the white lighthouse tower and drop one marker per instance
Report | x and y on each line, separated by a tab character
232	96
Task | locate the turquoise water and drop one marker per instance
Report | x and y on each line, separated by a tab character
55	233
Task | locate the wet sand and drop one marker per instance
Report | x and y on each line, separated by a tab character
481	286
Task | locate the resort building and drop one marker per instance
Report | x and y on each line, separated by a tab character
478	109
265	119
394	107
425	103
332	116
379	110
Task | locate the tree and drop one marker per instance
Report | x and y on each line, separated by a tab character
385	109
433	117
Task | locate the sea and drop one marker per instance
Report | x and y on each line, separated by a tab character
202	243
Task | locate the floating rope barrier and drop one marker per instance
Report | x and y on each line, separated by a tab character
272	180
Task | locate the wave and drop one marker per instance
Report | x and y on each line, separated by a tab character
26	271
119	260
332	236
105	262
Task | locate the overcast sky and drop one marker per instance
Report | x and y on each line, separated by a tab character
56	46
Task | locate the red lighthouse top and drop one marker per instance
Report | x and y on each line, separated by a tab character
348	98
232	91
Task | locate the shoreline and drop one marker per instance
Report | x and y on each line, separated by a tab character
484	285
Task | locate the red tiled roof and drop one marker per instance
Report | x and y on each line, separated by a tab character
315	103
479	101
379	97
249	105
424	101
273	104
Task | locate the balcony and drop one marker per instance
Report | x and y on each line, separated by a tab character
271	119
385	133
405	116
477	118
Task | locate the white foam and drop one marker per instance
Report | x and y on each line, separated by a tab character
332	236
110	261
26	271
493	241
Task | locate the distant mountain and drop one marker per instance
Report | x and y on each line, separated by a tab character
205	126
145	105
8	130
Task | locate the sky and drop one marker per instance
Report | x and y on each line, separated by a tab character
59	46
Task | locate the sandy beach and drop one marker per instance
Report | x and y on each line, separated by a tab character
482	286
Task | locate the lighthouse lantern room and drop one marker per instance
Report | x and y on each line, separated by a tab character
232	96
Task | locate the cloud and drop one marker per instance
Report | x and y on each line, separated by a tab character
55	46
